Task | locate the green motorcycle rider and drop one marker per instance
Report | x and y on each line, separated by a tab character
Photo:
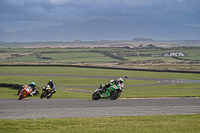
111	90
118	82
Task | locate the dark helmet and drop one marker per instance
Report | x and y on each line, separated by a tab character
50	81
101	85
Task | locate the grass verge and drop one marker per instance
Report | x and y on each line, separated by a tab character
138	124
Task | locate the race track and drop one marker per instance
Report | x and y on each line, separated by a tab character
81	108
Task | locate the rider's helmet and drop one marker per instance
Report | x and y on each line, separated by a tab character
120	80
33	83
50	81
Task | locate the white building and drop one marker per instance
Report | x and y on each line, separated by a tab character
174	53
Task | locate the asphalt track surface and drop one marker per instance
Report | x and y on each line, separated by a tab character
81	108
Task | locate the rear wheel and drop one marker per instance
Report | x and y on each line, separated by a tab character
96	96
115	94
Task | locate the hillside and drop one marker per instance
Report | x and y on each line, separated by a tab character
102	29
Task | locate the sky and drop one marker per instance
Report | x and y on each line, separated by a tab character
36	14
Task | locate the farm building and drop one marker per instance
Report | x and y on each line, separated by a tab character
174	53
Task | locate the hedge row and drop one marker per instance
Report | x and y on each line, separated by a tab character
15	86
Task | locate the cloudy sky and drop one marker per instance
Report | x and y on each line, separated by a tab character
36	14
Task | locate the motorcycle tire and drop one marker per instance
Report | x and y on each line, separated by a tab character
21	96
96	96
115	94
49	96
42	95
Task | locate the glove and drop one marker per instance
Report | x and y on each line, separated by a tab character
33	92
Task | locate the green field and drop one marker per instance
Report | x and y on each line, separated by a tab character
92	55
167	59
61	57
101	56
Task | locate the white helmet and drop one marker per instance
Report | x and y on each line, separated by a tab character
120	80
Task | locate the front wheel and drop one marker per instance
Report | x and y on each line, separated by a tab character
21	96
115	94
42	95
96	96
49	96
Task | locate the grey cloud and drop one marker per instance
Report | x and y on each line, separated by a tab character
82	10
67	8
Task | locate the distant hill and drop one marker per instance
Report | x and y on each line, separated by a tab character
102	29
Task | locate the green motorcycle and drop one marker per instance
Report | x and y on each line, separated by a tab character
113	92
